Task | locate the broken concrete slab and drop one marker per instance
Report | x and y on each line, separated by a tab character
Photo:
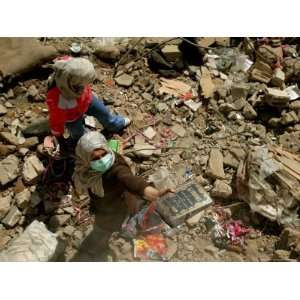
239	90
281	255
148	97
231	161
23	151
32	91
194	106
145	150
223	41
7	149
35	199
3	110
289	118
162	179
162	107
278	199
207	86
23	198
150	133
278	78
37	128
36	243
239	153
4	238
221	190
207	41
171	52
19	55
215	168
69	230
32	169
261	72
9	169
195	219
249	112
124	80
174	87
10	138
178	130
295	105
58	220
31	142
4	205
13	217
239	103
276	97
110	53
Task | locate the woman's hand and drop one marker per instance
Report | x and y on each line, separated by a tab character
153	194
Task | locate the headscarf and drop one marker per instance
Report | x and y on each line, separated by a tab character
73	72
84	177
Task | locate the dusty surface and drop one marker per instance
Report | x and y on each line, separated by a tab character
206	143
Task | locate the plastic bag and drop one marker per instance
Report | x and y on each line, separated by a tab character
145	221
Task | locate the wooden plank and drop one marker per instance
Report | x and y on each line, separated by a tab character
291	172
174	87
280	151
292	164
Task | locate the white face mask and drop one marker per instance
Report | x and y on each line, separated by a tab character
103	164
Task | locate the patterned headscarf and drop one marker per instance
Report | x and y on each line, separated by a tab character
84	177
72	73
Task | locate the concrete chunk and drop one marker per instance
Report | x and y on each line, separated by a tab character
215	164
32	169
178	130
278	77
221	190
4	206
23	198
150	133
249	112
9	169
3	110
107	52
13	217
58	220
239	90
276	97
261	72
171	52
7	149
9	138
289	118
124	80
194	220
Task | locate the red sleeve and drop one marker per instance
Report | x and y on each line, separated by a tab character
57	122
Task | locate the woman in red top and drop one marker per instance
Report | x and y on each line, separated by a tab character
70	97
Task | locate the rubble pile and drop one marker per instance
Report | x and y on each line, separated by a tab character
223	112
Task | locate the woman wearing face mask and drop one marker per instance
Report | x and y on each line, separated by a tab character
70	96
100	170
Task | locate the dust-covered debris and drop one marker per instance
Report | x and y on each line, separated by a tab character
226	116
